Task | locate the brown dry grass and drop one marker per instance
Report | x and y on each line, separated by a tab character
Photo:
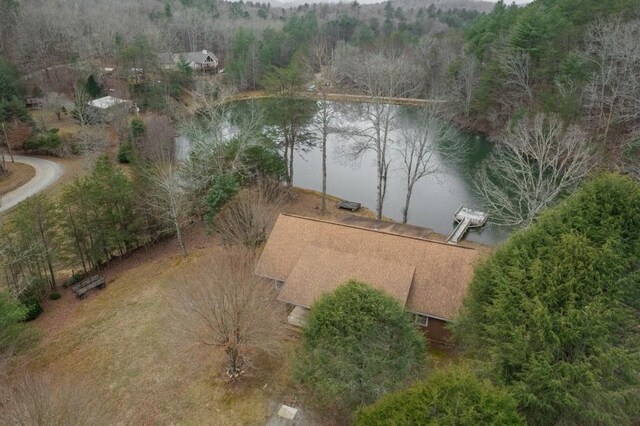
67	125
18	175
120	338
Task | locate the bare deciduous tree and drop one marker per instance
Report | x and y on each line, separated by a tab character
157	142
463	84
91	140
48	401
517	72
248	218
56	102
168	199
322	57
418	145
380	75
223	304
613	94
534	163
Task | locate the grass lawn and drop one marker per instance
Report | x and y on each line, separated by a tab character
121	340
18	174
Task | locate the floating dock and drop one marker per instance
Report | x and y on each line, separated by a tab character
466	219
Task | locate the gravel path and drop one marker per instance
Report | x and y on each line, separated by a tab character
47	172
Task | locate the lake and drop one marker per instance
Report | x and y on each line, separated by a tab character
435	197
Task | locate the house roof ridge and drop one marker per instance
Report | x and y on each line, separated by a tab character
378	231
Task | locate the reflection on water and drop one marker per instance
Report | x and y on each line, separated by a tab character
435	197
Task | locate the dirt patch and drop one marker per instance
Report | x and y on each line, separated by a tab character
18	175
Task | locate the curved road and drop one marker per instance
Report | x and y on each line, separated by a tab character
47	172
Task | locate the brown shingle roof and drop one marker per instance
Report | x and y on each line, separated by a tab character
320	270
440	281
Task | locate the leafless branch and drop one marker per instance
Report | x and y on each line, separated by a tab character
418	144
45	400
221	303
533	165
248	218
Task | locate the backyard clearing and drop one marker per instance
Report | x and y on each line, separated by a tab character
120	340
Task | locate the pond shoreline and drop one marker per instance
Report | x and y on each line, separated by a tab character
436	197
335	97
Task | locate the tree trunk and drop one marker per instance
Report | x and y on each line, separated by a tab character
379	199
324	174
183	248
6	138
77	240
291	166
233	362
47	255
405	210
286	163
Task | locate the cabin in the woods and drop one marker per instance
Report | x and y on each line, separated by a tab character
107	102
104	108
201	60
309	257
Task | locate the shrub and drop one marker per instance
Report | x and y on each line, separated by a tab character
48	142
451	397
33	308
357	345
125	153
54	295
264	161
76	277
137	128
224	187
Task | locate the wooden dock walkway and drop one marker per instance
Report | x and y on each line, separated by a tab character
466	219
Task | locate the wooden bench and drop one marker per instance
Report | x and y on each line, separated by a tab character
94	281
349	205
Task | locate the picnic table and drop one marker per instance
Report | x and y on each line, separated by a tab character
94	281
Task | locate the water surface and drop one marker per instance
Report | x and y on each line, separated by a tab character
435	197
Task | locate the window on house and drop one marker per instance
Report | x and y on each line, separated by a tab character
279	284
421	320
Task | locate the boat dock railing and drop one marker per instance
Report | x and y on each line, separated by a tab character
466	219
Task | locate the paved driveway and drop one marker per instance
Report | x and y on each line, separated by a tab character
47	172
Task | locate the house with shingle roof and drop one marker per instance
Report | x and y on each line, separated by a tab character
309	257
201	60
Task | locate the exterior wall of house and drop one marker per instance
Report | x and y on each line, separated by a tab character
436	331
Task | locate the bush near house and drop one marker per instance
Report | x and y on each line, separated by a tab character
358	344
450	397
